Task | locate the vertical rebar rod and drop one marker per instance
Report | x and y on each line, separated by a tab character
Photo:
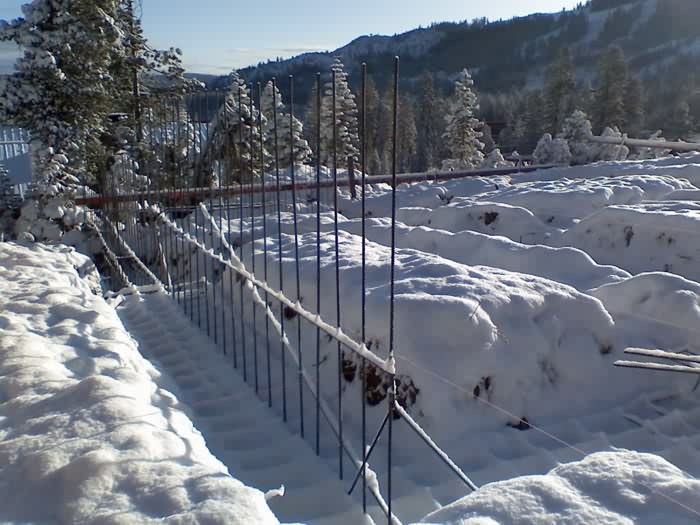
296	249
174	272
363	374
196	213
392	391
264	221
211	240
334	114
164	194
252	238
171	195
279	245
229	171
151	172
318	261
205	259
241	124
222	180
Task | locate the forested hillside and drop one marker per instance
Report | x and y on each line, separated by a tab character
516	65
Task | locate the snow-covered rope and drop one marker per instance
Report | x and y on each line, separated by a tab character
112	258
131	253
252	285
428	440
237	266
534	427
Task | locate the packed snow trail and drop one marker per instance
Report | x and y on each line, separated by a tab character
240	429
90	432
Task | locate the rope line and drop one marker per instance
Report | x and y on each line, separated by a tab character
559	440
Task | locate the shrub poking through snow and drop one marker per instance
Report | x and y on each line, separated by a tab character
576	131
495	159
552	151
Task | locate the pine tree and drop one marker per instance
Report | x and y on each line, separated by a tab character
62	87
513	135
576	131
285	137
346	127
535	124
560	90
406	140
378	130
634	107
611	90
461	134
229	136
310	119
430	125
145	69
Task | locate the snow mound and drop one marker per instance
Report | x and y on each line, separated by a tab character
620	487
659	297
564	265
560	201
537	341
514	222
680	167
423	194
647	237
88	431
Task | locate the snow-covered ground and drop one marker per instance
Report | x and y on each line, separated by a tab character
514	297
608	487
90	431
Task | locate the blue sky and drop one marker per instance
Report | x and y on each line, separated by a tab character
219	35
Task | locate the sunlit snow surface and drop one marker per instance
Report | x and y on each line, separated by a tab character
89	431
514	297
605	488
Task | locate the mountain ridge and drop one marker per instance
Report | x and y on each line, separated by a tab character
511	54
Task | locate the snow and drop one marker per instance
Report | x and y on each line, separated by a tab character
564	265
515	296
91	432
620	487
644	237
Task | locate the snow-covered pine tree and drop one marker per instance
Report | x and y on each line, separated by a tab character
576	130
347	139
461	134
143	68
285	123
560	90
62	87
229	137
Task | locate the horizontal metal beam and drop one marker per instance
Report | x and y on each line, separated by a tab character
193	195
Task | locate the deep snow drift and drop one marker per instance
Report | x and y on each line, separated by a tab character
608	487
89	430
